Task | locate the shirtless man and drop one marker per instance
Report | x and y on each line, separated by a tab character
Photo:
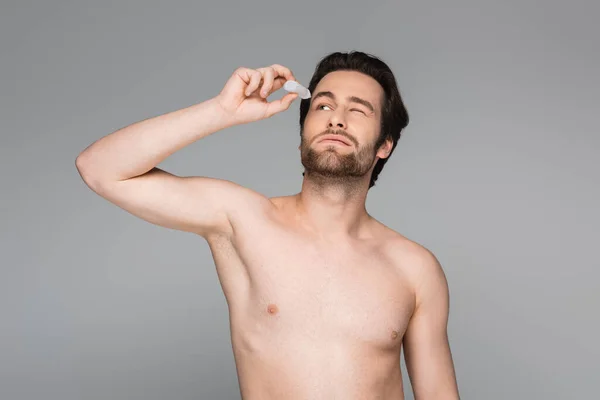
322	297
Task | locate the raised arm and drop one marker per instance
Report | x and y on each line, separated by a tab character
121	167
426	347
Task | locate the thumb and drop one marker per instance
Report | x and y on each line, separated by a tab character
280	105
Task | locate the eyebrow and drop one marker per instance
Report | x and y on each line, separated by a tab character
353	99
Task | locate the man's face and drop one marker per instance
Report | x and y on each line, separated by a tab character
345	105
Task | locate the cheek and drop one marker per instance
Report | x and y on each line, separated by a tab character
313	116
368	128
314	123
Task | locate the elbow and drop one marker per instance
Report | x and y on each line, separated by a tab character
80	162
86	171
83	165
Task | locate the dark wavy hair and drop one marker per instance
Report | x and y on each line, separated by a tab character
394	116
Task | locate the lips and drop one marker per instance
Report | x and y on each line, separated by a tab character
335	138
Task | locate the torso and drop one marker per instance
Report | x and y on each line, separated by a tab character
312	320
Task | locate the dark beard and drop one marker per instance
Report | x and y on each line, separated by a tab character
329	163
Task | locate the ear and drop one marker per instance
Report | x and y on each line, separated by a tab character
385	149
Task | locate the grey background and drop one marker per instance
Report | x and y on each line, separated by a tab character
497	174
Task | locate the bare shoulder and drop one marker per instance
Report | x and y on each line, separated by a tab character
245	201
252	211
415	261
284	206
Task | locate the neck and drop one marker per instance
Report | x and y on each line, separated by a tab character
333	208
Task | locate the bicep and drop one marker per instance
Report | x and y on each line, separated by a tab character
426	346
195	204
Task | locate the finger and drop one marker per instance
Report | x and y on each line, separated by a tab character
278	84
280	105
283	72
243	73
255	78
268	75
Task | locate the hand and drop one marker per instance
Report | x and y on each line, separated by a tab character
244	97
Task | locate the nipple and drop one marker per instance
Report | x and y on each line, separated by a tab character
293	86
394	334
272	309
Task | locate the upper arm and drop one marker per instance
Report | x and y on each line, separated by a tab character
426	347
195	204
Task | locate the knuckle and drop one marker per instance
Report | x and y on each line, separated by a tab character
285	70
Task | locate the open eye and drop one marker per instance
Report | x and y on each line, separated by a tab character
321	105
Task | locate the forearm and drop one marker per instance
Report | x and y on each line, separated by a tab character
136	149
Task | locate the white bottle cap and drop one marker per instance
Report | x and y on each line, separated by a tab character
293	86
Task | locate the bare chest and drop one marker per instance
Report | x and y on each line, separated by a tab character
287	287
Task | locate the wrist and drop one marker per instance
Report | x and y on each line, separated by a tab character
220	114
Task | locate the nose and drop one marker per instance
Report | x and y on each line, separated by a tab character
336	121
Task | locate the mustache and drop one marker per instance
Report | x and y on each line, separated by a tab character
340	132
